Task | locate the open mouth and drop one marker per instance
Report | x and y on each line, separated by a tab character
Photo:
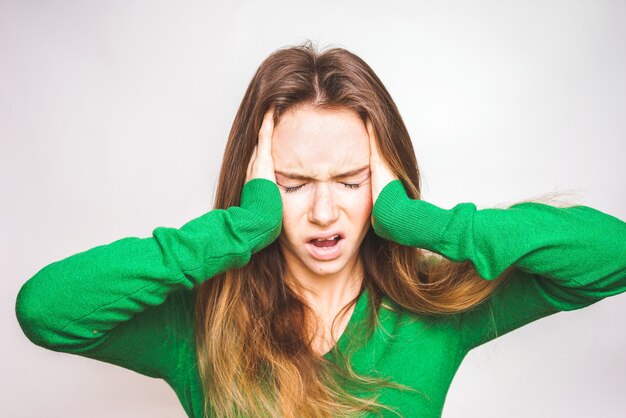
326	245
326	242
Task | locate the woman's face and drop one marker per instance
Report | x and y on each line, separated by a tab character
321	158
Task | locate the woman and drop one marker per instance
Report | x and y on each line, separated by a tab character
321	285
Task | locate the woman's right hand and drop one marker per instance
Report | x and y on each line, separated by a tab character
261	164
259	199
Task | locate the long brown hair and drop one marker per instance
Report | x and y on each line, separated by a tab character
253	350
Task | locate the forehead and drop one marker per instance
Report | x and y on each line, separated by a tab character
320	142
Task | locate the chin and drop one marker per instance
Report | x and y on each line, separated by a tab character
325	268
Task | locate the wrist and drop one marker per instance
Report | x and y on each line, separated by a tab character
409	222
262	196
261	200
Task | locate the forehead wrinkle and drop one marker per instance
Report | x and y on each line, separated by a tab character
340	164
318	144
347	173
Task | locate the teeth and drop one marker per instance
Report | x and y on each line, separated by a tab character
329	238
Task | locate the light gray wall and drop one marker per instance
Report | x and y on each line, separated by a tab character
114	115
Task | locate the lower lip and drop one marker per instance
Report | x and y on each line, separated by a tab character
325	253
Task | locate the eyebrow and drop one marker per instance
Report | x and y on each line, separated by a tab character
296	176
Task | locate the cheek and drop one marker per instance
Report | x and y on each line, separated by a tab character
359	205
294	208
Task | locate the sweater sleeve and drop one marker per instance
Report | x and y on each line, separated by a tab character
562	259
122	302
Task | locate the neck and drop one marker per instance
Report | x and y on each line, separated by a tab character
325	293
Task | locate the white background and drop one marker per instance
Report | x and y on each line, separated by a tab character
114	116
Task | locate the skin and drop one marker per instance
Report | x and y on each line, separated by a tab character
329	172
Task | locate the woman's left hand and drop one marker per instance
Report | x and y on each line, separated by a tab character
381	175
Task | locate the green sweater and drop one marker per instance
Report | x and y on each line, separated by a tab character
130	302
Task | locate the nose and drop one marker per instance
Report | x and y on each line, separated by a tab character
323	210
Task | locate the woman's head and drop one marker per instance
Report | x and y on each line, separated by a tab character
321	101
253	345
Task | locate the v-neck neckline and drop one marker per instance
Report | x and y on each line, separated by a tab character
357	315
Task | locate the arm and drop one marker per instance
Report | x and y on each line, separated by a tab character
563	258
131	302
109	300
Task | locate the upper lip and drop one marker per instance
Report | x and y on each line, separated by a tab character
324	234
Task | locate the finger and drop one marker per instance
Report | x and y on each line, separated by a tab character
374	154
251	164
266	132
381	173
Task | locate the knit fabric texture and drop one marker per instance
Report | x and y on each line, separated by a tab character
130	302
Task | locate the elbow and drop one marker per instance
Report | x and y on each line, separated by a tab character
30	312
46	322
39	317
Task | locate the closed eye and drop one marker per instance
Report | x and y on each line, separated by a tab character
352	185
293	189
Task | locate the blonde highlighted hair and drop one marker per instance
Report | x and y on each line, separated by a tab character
253	349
